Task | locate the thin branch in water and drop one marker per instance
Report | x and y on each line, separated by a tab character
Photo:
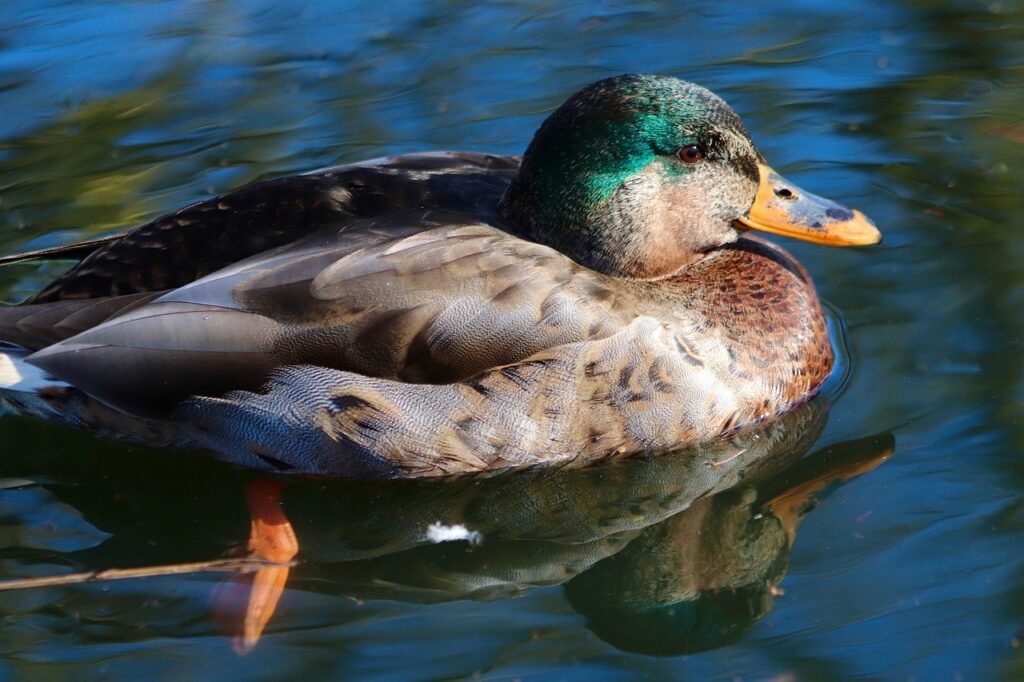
240	565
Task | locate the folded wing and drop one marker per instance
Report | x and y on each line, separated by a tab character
434	303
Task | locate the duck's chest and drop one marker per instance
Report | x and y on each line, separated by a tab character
749	320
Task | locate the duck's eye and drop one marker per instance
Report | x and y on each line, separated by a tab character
691	153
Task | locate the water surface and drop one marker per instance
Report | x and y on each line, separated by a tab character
906	567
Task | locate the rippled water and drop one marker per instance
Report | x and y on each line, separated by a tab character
907	566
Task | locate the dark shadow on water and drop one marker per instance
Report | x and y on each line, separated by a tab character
663	554
703	578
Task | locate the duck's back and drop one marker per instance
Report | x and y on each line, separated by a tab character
392	269
181	247
121	272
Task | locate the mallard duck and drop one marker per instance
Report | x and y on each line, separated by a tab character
445	313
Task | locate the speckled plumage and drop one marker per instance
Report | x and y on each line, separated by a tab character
388	319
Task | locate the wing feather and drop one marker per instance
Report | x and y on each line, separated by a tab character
422	306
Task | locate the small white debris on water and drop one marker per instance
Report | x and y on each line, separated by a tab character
439	532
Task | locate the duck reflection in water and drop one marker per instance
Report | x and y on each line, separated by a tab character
664	554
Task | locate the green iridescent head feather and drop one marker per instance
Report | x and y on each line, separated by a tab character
574	191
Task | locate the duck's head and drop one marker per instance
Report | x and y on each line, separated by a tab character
638	176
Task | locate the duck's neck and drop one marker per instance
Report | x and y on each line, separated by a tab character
634	230
552	202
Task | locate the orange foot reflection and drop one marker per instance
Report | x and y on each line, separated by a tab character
249	601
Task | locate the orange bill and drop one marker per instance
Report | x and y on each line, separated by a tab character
783	208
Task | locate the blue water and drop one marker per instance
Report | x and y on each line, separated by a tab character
115	112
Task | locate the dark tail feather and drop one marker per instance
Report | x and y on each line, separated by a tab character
76	251
36	326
